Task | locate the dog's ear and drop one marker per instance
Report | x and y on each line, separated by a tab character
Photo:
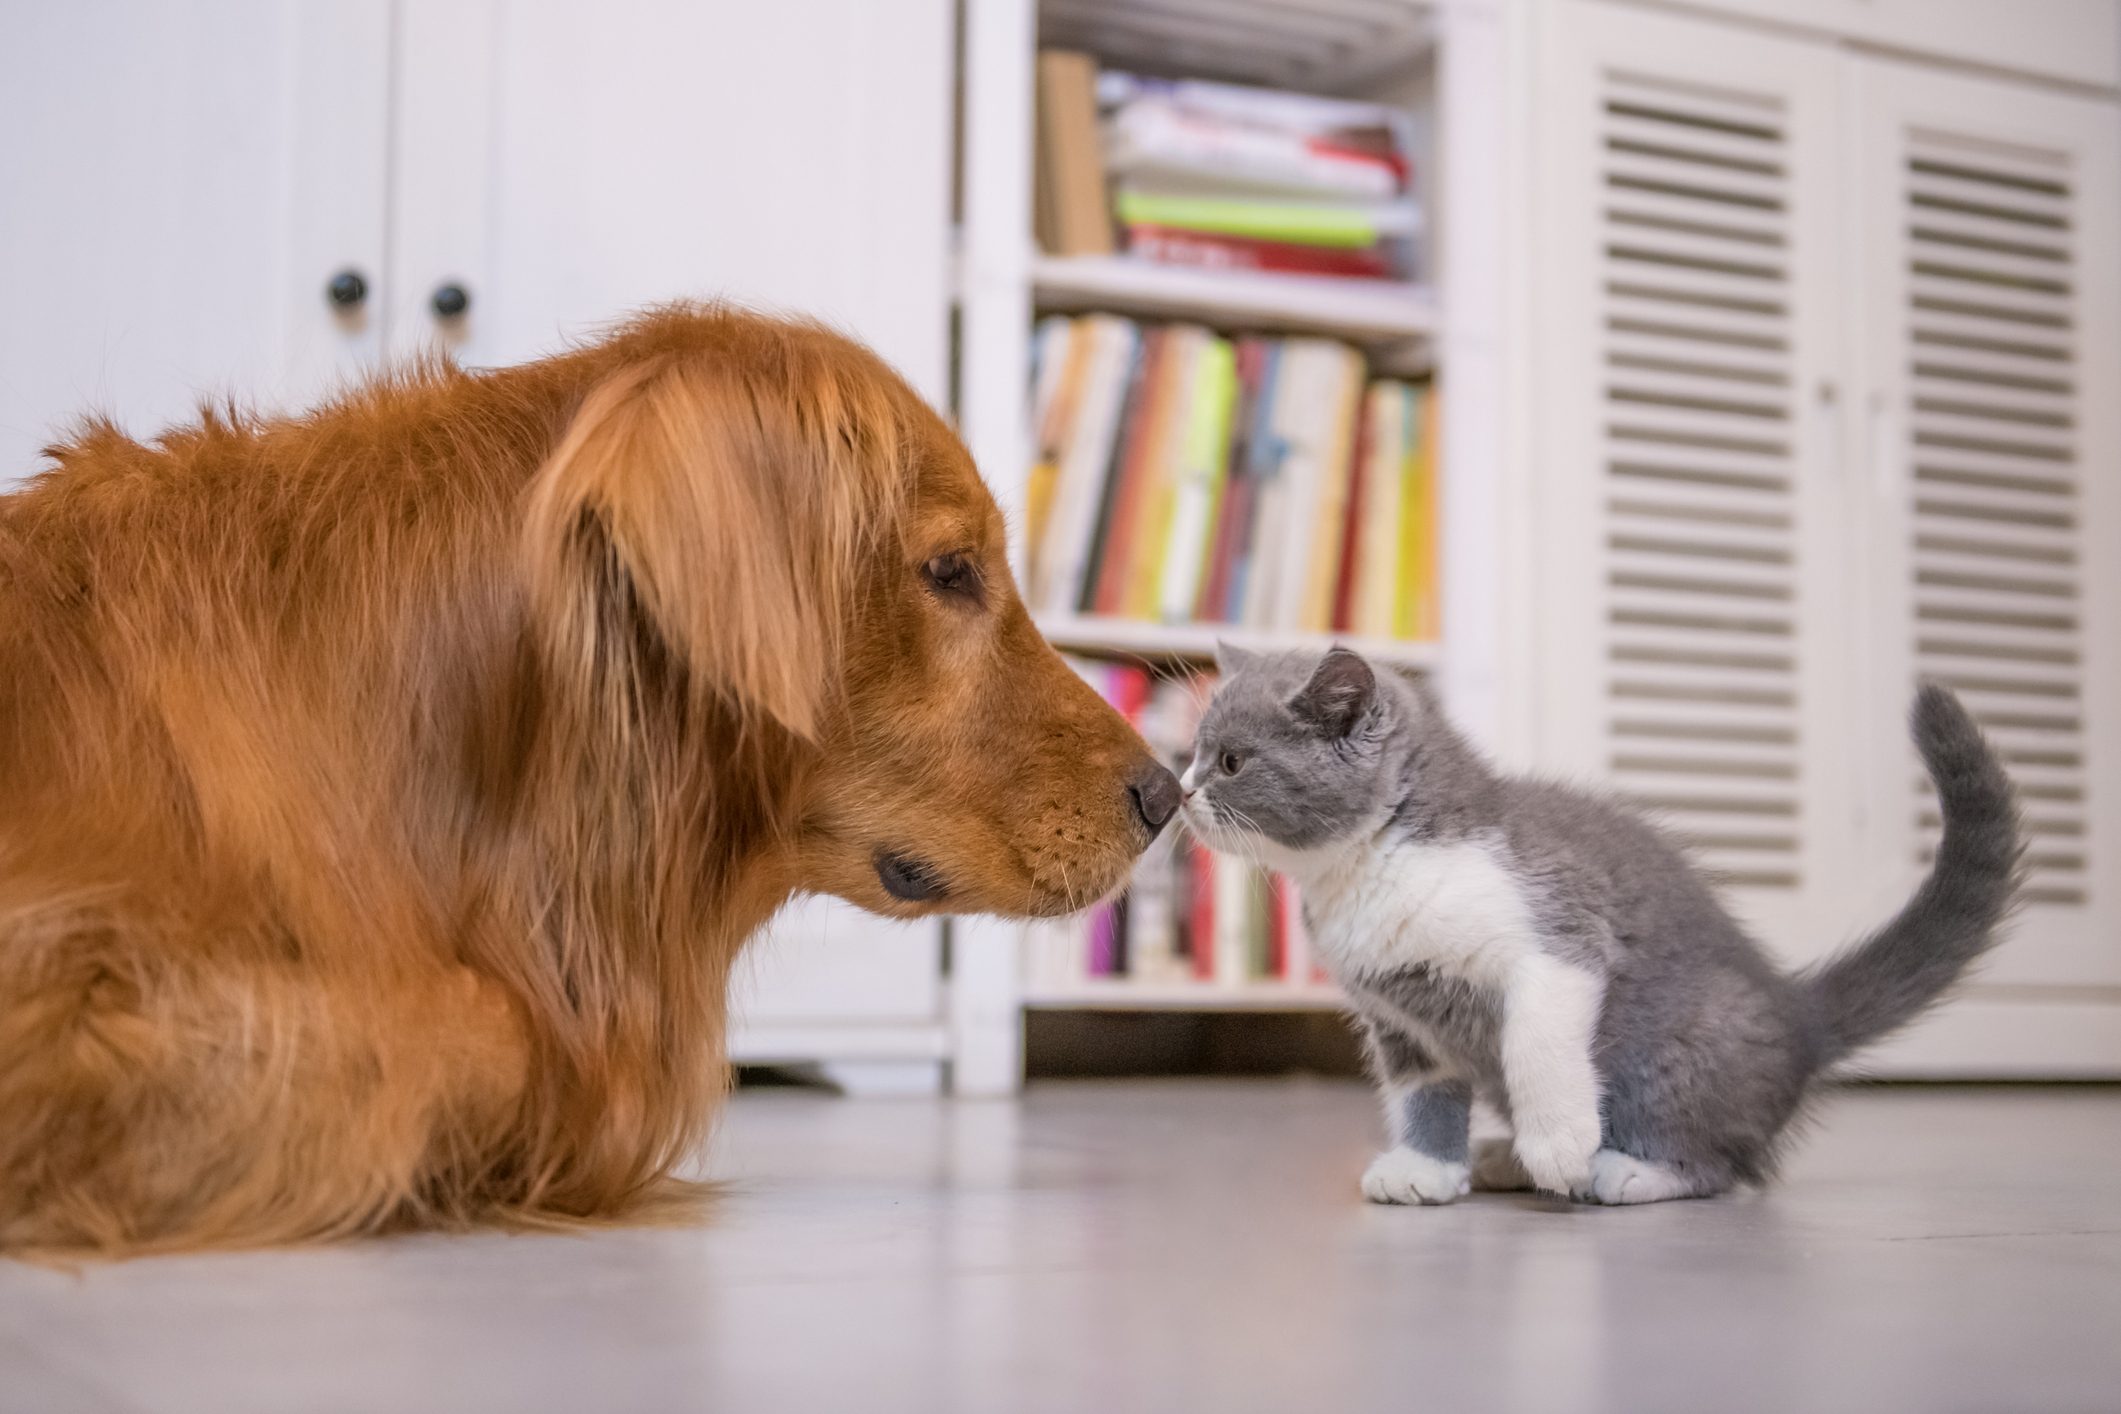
726	511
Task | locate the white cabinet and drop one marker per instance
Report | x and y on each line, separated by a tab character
1989	349
178	184
182	183
1822	414
1688	475
562	164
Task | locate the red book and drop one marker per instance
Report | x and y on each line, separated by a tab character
1343	618
1130	692
1169	246
1277	927
1203	914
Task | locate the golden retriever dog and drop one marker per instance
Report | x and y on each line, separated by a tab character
386	792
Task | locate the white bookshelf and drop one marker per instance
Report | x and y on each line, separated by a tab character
1444	61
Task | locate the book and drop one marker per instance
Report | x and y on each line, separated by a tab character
1105	576
1202	934
1349	569
1352	121
1417	615
1063	350
1266	483
1204	250
1233	921
1202	467
1146	477
1376	553
1159	489
1340	225
1309	396
1061	565
1297	963
1233	514
1161	136
1259	925
1328	508
1071	208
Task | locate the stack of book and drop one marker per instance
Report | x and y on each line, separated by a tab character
1188	915
1218	175
1263	482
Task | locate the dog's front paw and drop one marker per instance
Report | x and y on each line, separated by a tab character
1403	1175
1557	1157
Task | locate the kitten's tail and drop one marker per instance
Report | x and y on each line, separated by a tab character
1872	989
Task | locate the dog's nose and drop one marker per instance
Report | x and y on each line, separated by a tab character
1155	793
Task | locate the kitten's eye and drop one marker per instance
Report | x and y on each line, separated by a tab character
1231	762
953	574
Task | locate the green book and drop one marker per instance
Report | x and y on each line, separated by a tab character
1291	222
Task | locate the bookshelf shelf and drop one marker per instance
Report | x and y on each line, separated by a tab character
1195	643
1394	319
1124	994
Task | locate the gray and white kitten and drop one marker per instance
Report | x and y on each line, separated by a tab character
1544	950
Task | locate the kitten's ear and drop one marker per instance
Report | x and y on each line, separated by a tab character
1230	660
1339	692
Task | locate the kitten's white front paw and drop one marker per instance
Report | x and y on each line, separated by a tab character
1618	1179
1557	1157
1403	1175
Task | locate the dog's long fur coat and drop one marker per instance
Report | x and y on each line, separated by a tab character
385	792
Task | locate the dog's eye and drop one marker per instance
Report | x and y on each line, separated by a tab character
953	574
1232	762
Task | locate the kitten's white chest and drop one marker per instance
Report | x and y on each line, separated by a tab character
1453	907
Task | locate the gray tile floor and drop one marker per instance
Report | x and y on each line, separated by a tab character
1168	1246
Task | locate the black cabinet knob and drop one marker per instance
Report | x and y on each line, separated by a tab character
450	300
347	289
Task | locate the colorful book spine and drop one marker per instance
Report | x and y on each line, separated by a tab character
1179	477
1202	469
1203	932
1145	435
1336	225
1377	569
1136	411
1159	491
1416	615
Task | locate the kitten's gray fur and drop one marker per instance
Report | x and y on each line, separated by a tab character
1704	1050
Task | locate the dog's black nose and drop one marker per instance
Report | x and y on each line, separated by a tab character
1155	793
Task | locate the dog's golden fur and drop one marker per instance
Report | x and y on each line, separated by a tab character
385	793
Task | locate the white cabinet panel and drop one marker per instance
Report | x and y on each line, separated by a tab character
178	184
567	164
1991	335
1693	592
821	960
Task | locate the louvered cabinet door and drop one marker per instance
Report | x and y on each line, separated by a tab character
1991	333
1692	591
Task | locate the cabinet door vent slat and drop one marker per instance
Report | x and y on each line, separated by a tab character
1701	453
1996	559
